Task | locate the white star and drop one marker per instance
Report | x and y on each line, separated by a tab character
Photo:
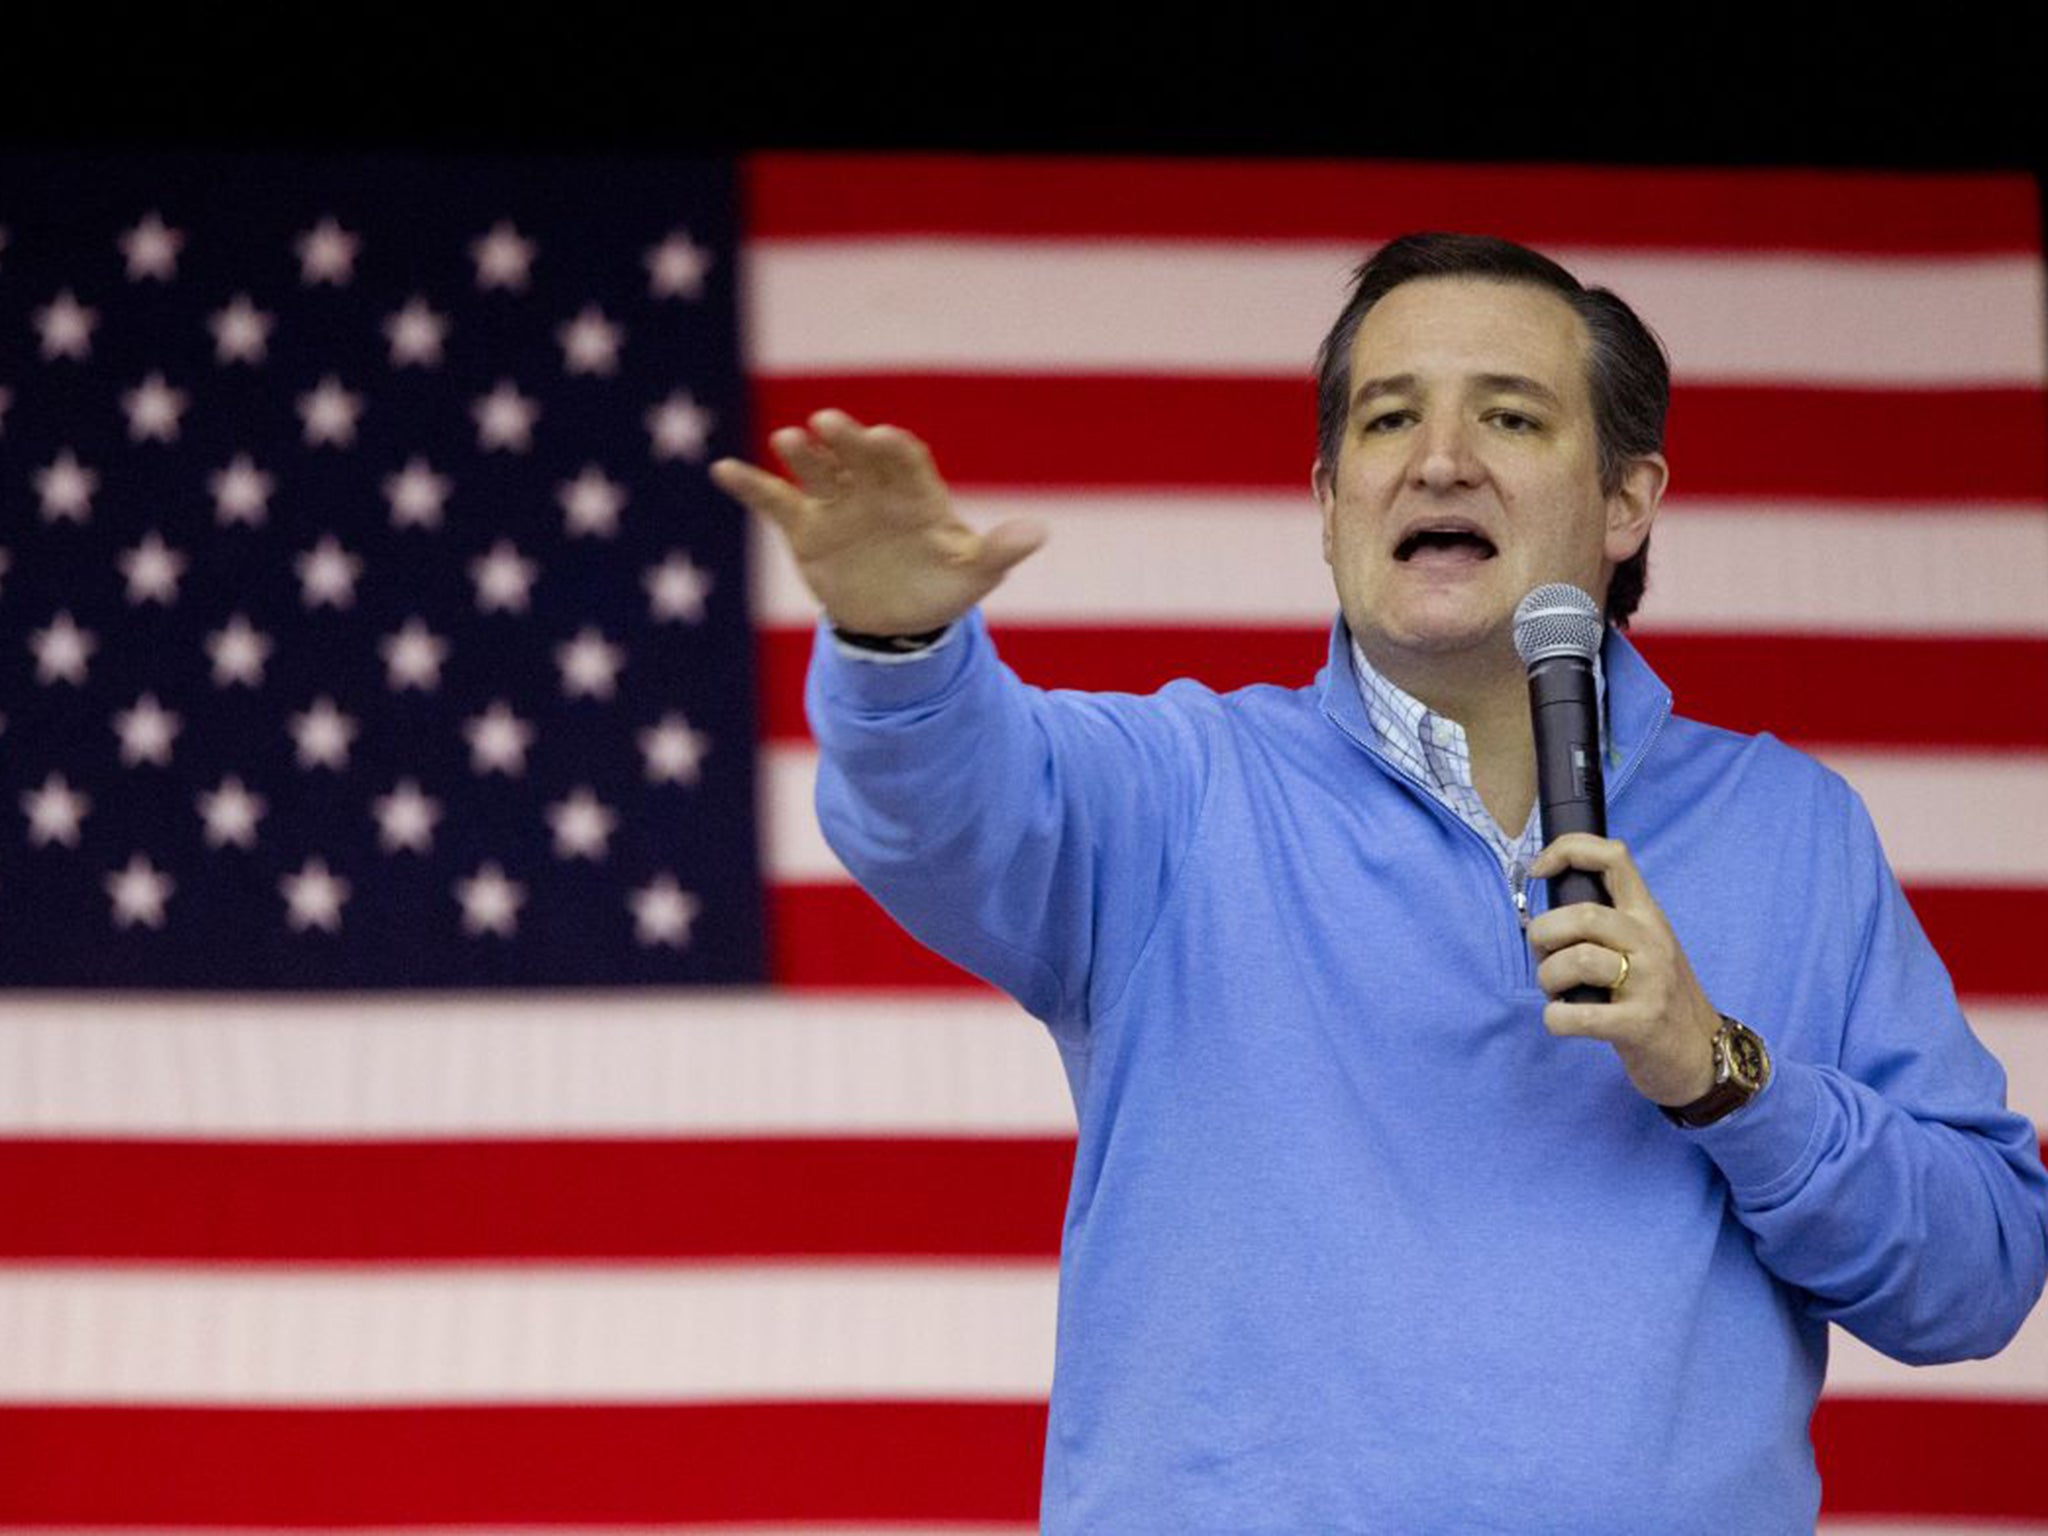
502	579
62	650
66	328
582	825
505	418
663	912
153	409
238	653
152	568
676	588
241	332
413	657
323	734
676	267
329	413
146	730
241	493
54	812
590	666
502	258
415	494
673	750
498	740
590	343
327	254
231	813
406	818
66	487
416	335
139	893
313	897
152	249
680	427
591	503
327	574
490	902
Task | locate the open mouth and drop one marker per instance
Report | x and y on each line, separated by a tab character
1445	544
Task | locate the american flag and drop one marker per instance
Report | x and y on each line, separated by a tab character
524	1147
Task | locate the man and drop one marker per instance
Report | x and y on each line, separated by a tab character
1364	1234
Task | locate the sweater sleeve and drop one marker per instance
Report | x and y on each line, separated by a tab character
1893	1185
1029	836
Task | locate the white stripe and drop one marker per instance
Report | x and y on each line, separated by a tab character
759	1333
1245	309
1944	819
546	1334
2020	1370
225	1067
1956	820
433	1065
1221	560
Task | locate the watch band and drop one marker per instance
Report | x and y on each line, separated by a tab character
890	645
1741	1068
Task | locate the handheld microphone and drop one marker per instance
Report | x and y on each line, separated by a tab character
1557	634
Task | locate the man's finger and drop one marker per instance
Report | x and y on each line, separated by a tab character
816	467
1604	856
1583	922
770	495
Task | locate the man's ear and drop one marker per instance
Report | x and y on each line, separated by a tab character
1326	497
1633	506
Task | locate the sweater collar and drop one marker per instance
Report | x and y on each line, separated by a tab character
1638	703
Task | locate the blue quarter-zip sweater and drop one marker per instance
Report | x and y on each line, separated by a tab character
1353	1243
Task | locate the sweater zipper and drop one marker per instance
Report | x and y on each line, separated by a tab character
1516	882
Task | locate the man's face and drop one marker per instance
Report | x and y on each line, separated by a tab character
1469	471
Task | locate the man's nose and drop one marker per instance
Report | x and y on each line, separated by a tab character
1446	454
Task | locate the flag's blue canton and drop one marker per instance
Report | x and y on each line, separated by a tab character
596	853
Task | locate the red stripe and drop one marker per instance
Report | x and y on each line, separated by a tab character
833	936
570	1465
1696	211
1915	1457
296	1202
603	1465
1907	447
1812	690
1989	937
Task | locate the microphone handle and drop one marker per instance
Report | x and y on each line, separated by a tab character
1564	707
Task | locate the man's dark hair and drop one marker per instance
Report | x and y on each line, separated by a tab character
1630	377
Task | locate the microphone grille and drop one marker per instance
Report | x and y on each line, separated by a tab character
1557	620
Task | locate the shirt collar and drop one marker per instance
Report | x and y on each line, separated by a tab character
1403	723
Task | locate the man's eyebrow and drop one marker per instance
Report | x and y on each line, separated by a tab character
1491	383
1520	384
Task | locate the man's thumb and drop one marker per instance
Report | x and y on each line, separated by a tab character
1007	543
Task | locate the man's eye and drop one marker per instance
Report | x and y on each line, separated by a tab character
1515	421
1386	421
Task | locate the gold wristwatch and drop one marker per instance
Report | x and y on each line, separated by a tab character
1741	1068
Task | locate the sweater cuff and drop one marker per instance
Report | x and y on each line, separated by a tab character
1774	1139
898	681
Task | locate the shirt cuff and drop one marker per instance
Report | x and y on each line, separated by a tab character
1770	1142
869	682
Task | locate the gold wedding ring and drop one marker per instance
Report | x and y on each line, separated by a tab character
1614	986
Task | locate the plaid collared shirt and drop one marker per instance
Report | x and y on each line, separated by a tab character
1432	748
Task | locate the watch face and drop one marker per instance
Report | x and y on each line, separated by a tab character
1745	1058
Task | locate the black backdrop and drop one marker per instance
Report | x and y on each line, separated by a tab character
1967	87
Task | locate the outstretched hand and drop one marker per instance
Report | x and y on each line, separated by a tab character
872	526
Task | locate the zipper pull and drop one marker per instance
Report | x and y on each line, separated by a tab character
1517	889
